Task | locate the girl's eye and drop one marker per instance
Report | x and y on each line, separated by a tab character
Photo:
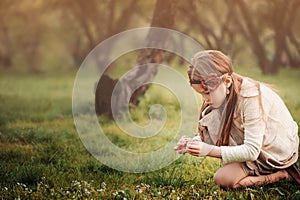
210	83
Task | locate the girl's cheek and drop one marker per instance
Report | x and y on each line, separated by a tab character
218	96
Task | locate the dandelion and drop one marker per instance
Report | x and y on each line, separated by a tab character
76	183
103	184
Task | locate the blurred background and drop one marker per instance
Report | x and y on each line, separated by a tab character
42	36
43	44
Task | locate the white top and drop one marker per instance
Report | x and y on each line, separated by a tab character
272	132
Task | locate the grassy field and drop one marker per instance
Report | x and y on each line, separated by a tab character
42	156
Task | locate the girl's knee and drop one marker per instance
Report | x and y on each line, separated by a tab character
227	178
222	180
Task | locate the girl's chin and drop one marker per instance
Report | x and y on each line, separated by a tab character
214	105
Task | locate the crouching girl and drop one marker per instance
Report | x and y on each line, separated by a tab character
244	123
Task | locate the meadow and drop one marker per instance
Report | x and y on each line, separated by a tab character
42	156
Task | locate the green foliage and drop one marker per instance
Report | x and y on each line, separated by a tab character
42	157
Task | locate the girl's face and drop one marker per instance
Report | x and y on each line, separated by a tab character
213	98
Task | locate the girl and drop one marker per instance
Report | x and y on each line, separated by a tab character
243	122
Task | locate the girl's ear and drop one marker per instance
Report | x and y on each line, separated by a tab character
227	81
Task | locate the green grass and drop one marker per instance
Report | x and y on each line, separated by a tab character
42	156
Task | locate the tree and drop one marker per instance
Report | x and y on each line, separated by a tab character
266	27
93	21
163	16
280	15
22	27
212	24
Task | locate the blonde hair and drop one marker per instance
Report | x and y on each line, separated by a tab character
205	62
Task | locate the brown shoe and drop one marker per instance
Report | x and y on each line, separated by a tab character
294	172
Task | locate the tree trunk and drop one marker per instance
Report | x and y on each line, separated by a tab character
163	16
257	46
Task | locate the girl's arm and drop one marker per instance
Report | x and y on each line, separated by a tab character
254	128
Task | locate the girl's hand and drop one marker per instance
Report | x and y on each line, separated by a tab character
197	148
181	145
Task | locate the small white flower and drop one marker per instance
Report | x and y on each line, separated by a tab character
178	198
5	188
173	191
159	193
215	192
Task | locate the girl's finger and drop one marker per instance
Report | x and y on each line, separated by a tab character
195	151
192	146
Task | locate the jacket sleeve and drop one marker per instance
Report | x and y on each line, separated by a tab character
254	131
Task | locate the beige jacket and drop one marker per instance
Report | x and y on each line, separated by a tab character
267	137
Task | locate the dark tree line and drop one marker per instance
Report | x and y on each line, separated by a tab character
269	29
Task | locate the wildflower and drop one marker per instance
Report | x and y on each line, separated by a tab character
173	191
103	184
